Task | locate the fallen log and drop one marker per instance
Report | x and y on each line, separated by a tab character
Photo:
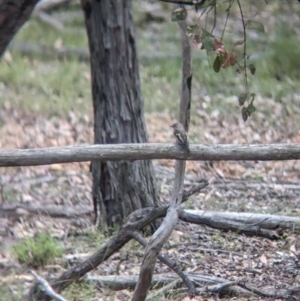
259	220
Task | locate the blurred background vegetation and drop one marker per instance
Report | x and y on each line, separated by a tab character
42	81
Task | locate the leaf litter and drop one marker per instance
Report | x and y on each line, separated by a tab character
267	187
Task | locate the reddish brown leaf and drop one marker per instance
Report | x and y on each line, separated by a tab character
229	61
219	47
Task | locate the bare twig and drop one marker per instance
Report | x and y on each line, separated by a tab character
195	189
48	289
226	20
186	83
245	47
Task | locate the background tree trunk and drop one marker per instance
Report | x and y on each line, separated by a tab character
118	187
13	14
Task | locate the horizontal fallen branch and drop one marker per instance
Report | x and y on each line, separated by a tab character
208	283
261	221
15	210
250	224
229	225
147	151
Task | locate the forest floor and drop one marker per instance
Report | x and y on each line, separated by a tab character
58	188
47	102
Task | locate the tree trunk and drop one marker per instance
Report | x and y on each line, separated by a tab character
13	14
118	187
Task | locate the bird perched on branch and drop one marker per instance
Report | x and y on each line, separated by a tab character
181	135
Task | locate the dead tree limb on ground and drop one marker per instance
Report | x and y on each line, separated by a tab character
244	219
136	221
207	283
225	225
250	224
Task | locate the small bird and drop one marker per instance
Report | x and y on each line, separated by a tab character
181	136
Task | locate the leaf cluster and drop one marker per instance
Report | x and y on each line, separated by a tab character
214	46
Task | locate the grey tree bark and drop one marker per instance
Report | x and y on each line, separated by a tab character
118	187
13	14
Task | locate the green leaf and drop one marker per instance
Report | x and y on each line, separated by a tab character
179	14
208	41
244	114
252	69
254	25
251	108
242	98
217	64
